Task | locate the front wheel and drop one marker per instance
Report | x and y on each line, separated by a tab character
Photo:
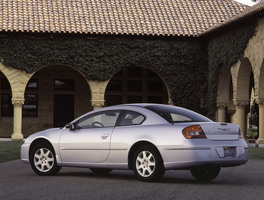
43	160
148	164
205	173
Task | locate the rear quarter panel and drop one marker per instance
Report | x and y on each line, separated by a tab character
123	138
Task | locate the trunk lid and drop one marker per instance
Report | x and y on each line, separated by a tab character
220	131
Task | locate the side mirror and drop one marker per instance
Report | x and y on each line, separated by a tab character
70	126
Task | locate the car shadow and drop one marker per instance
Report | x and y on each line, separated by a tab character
129	175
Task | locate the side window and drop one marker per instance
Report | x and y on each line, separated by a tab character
99	120
130	118
180	118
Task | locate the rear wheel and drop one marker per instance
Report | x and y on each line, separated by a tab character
43	160
148	164
100	171
205	173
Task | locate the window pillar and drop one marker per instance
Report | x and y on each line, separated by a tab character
241	115
17	126
260	140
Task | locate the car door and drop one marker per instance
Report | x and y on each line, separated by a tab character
89	141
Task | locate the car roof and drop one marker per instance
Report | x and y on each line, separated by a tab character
143	105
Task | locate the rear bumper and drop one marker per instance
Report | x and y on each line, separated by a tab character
201	152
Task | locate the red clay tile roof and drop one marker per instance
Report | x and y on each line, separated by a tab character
257	9
136	17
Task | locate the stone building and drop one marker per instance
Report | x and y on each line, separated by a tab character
60	59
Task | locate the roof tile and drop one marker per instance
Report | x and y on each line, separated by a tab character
141	17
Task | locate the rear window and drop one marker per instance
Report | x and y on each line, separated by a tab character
175	114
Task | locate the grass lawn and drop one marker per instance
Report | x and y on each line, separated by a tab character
11	151
256	153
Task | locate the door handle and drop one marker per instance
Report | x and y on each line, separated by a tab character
104	136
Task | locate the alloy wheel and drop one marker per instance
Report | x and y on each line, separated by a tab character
145	163
43	160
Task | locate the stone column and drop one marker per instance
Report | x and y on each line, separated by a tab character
260	140
98	93
241	115
170	102
221	111
17	126
96	104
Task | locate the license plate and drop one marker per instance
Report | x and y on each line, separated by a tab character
230	152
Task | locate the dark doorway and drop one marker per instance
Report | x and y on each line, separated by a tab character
63	110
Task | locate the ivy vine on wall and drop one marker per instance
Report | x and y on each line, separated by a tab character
182	63
226	49
189	66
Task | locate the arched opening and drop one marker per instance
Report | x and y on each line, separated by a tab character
243	80
224	91
244	92
136	85
54	96
6	119
252	111
260	94
231	107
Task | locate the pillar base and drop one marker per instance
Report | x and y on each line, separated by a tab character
96	104
17	137
260	143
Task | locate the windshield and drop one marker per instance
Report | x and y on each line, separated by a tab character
175	114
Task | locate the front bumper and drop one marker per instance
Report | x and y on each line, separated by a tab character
24	152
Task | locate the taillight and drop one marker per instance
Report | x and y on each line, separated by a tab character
193	132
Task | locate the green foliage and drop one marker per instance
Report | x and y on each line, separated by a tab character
181	63
226	49
252	132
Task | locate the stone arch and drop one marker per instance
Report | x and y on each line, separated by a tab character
244	80
18	80
260	87
260	101
55	95
133	85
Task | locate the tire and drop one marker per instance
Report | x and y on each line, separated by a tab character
205	173
148	164
43	160
99	171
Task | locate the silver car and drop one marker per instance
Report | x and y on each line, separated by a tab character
146	138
